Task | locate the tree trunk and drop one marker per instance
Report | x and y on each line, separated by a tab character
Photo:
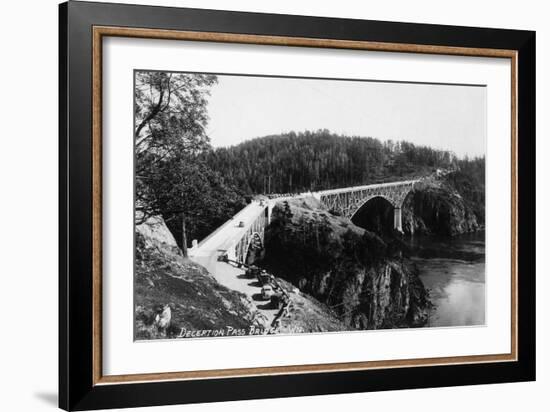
183	236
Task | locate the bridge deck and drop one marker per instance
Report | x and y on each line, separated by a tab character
364	187
225	237
229	233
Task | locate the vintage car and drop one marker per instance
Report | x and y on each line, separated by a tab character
223	257
264	278
267	292
252	272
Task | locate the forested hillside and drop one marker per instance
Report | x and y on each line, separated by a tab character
195	188
172	179
291	162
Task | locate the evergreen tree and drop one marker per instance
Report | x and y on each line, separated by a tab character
172	178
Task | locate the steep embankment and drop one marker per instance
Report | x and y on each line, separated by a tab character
354	272
306	314
163	278
198	304
449	206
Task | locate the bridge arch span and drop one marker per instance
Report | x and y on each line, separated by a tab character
367	199
376	214
235	237
349	201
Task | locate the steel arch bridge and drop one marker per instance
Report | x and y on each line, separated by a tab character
247	228
348	201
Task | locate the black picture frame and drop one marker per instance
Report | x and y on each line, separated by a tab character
77	390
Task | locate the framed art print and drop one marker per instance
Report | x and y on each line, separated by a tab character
259	205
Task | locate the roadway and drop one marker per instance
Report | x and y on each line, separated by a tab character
224	238
228	275
229	233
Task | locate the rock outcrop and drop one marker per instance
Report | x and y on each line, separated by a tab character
449	206
307	314
168	286
354	272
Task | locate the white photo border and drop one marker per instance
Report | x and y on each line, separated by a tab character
122	356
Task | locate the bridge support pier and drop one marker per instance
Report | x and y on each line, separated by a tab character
397	222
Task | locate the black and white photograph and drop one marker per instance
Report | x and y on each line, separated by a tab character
245	206
284	205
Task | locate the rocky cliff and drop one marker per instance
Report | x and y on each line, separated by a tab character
447	206
196	301
307	315
354	272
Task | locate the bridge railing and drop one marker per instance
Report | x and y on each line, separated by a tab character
365	187
227	224
257	226
239	246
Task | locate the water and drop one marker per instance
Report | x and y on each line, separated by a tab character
453	270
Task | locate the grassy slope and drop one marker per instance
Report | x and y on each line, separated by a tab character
198	302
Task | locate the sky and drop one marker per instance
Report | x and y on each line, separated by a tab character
448	117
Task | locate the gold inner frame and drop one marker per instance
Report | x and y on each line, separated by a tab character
101	31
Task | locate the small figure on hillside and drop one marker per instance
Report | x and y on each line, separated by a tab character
163	318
